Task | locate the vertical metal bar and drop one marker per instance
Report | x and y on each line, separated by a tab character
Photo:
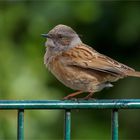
20	123
67	124
115	124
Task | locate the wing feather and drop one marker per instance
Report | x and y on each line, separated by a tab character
86	57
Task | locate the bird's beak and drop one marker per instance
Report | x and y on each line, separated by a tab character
46	35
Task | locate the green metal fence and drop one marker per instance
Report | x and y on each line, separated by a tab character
68	105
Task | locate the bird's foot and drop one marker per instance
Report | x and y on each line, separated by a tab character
72	96
89	97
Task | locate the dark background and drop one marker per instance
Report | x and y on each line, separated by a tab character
111	27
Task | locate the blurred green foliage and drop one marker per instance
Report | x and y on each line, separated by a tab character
111	27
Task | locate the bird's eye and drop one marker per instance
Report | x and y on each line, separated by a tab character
60	36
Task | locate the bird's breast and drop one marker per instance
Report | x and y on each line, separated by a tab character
70	76
59	70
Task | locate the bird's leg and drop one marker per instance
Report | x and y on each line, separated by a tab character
89	96
72	95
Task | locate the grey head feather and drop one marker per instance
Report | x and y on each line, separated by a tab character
62	38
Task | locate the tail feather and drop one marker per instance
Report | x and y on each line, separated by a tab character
134	74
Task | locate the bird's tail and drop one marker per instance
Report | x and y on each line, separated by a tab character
134	74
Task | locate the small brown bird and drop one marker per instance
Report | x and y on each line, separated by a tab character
79	66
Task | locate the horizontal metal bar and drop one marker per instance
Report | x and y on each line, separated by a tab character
70	104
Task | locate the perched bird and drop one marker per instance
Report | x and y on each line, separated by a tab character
78	66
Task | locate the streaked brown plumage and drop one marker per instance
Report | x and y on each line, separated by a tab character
79	66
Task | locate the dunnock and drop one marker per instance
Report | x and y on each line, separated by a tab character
79	66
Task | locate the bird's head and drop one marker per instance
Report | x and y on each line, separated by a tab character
61	38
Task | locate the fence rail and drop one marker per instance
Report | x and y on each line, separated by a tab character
68	105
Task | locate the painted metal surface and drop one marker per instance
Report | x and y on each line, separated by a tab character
20	123
68	105
115	124
67	135
71	104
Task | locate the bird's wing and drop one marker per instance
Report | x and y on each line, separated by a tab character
86	57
